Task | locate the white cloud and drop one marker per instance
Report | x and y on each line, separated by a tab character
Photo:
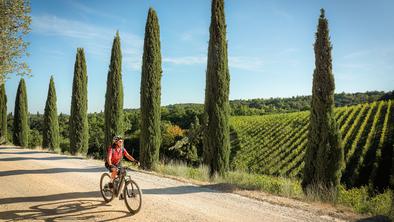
187	60
90	10
55	26
255	64
357	54
375	58
96	40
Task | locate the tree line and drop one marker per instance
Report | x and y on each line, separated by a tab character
324	160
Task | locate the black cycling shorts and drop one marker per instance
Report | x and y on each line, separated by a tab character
119	165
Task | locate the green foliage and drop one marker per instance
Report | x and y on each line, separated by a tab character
14	26
324	157
79	132
96	135
51	124
10	127
170	134
132	121
3	114
35	138
114	95
182	115
249	107
150	93
184	146
276	144
217	109
64	127
21	124
362	202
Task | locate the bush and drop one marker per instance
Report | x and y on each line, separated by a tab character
64	145
35	138
96	148
362	202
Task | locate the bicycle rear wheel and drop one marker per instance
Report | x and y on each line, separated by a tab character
132	196
105	190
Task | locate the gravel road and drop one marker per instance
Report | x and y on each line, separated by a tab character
41	186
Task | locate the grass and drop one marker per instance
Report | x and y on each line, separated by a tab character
182	170
357	199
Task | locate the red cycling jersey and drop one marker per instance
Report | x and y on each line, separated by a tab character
117	154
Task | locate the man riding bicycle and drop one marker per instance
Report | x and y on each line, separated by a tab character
115	155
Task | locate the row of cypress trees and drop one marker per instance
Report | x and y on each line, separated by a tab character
324	155
21	128
150	102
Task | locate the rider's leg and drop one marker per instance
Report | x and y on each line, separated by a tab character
114	172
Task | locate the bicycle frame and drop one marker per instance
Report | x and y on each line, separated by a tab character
123	178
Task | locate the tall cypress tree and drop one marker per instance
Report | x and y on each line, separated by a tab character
50	137
3	114
79	105
114	96
324	158
216	112
21	124
150	138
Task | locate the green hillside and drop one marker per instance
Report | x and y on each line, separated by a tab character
276	144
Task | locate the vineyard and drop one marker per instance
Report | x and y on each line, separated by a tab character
276	144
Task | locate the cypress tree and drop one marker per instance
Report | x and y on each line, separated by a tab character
21	124
324	158
51	125
150	137
79	105
114	96
3	114
216	112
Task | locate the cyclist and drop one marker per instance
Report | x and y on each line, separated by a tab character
115	154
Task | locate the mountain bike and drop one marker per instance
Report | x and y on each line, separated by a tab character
123	185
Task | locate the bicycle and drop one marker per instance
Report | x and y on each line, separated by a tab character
129	189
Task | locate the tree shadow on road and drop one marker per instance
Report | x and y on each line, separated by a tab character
51	171
40	158
211	188
69	210
52	197
18	150
375	219
65	206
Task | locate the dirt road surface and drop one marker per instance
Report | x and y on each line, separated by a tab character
41	186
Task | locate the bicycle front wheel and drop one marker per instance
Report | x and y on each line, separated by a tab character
132	196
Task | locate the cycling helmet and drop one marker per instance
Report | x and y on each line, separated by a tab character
116	138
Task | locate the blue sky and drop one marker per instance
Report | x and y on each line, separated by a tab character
270	47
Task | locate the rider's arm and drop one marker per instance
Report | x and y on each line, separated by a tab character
128	156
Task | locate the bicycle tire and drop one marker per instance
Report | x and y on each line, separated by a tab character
135	191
